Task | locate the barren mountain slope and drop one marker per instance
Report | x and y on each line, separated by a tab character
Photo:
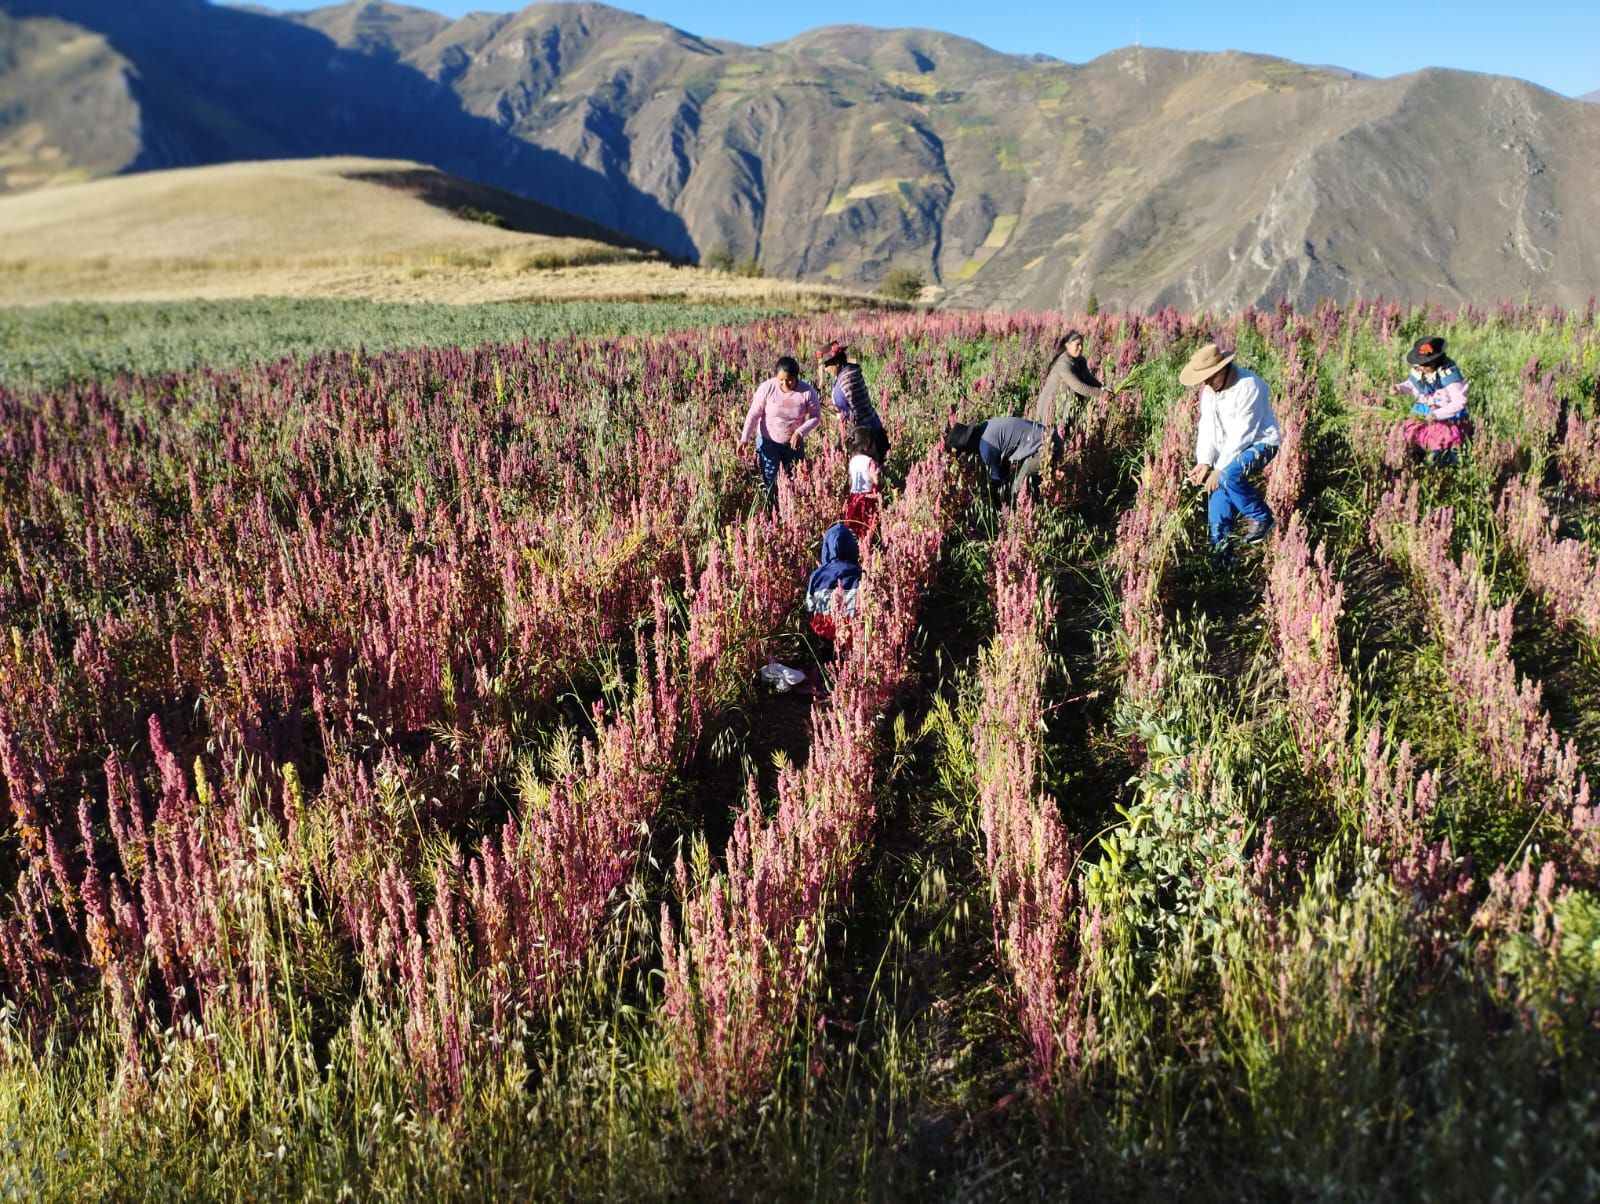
1146	176
66	108
356	227
285	210
379	229
1440	184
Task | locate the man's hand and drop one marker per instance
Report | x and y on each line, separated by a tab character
794	442
1212	481
1199	474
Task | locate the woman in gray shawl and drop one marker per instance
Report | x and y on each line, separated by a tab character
1066	380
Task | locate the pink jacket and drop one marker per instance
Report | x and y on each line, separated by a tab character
777	414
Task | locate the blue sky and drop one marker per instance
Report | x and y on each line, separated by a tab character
1555	43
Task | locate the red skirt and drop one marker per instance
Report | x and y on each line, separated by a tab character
824	626
861	514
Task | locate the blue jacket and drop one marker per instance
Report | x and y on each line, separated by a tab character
840	567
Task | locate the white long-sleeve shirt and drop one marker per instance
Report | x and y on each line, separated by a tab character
1238	417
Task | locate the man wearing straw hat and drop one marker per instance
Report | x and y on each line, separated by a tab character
1237	438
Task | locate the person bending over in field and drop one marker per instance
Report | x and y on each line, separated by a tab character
1066	381
1438	423
784	410
832	588
1237	438
862	505
854	403
1012	449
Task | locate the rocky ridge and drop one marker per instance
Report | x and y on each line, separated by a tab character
1145	176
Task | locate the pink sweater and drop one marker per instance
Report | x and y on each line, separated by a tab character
777	414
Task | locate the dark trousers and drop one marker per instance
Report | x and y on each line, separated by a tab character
775	456
1025	472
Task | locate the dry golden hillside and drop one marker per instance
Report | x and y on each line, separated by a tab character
338	227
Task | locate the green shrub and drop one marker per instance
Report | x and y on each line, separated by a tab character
718	259
485	216
902	284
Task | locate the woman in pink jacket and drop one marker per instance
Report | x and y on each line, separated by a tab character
784	410
1438	423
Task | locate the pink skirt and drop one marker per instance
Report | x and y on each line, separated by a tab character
1434	436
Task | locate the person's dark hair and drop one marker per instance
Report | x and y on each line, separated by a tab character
787	363
1061	349
861	442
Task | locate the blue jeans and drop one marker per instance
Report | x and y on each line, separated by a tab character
772	457
1236	495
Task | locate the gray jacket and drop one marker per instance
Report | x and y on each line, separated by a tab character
1070	374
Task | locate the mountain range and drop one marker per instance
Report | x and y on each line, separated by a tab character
1144	176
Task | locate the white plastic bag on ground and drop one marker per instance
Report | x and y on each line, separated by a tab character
781	677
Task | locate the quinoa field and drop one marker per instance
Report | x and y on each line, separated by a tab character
44	345
392	808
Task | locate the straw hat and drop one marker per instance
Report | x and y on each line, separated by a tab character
1203	365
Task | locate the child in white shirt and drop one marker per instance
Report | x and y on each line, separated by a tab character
862	506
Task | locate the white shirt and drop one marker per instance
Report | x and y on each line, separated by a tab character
1238	417
863	474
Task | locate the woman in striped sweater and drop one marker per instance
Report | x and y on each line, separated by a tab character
853	402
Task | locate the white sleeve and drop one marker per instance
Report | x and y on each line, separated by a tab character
1237	417
1249	398
1205	445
